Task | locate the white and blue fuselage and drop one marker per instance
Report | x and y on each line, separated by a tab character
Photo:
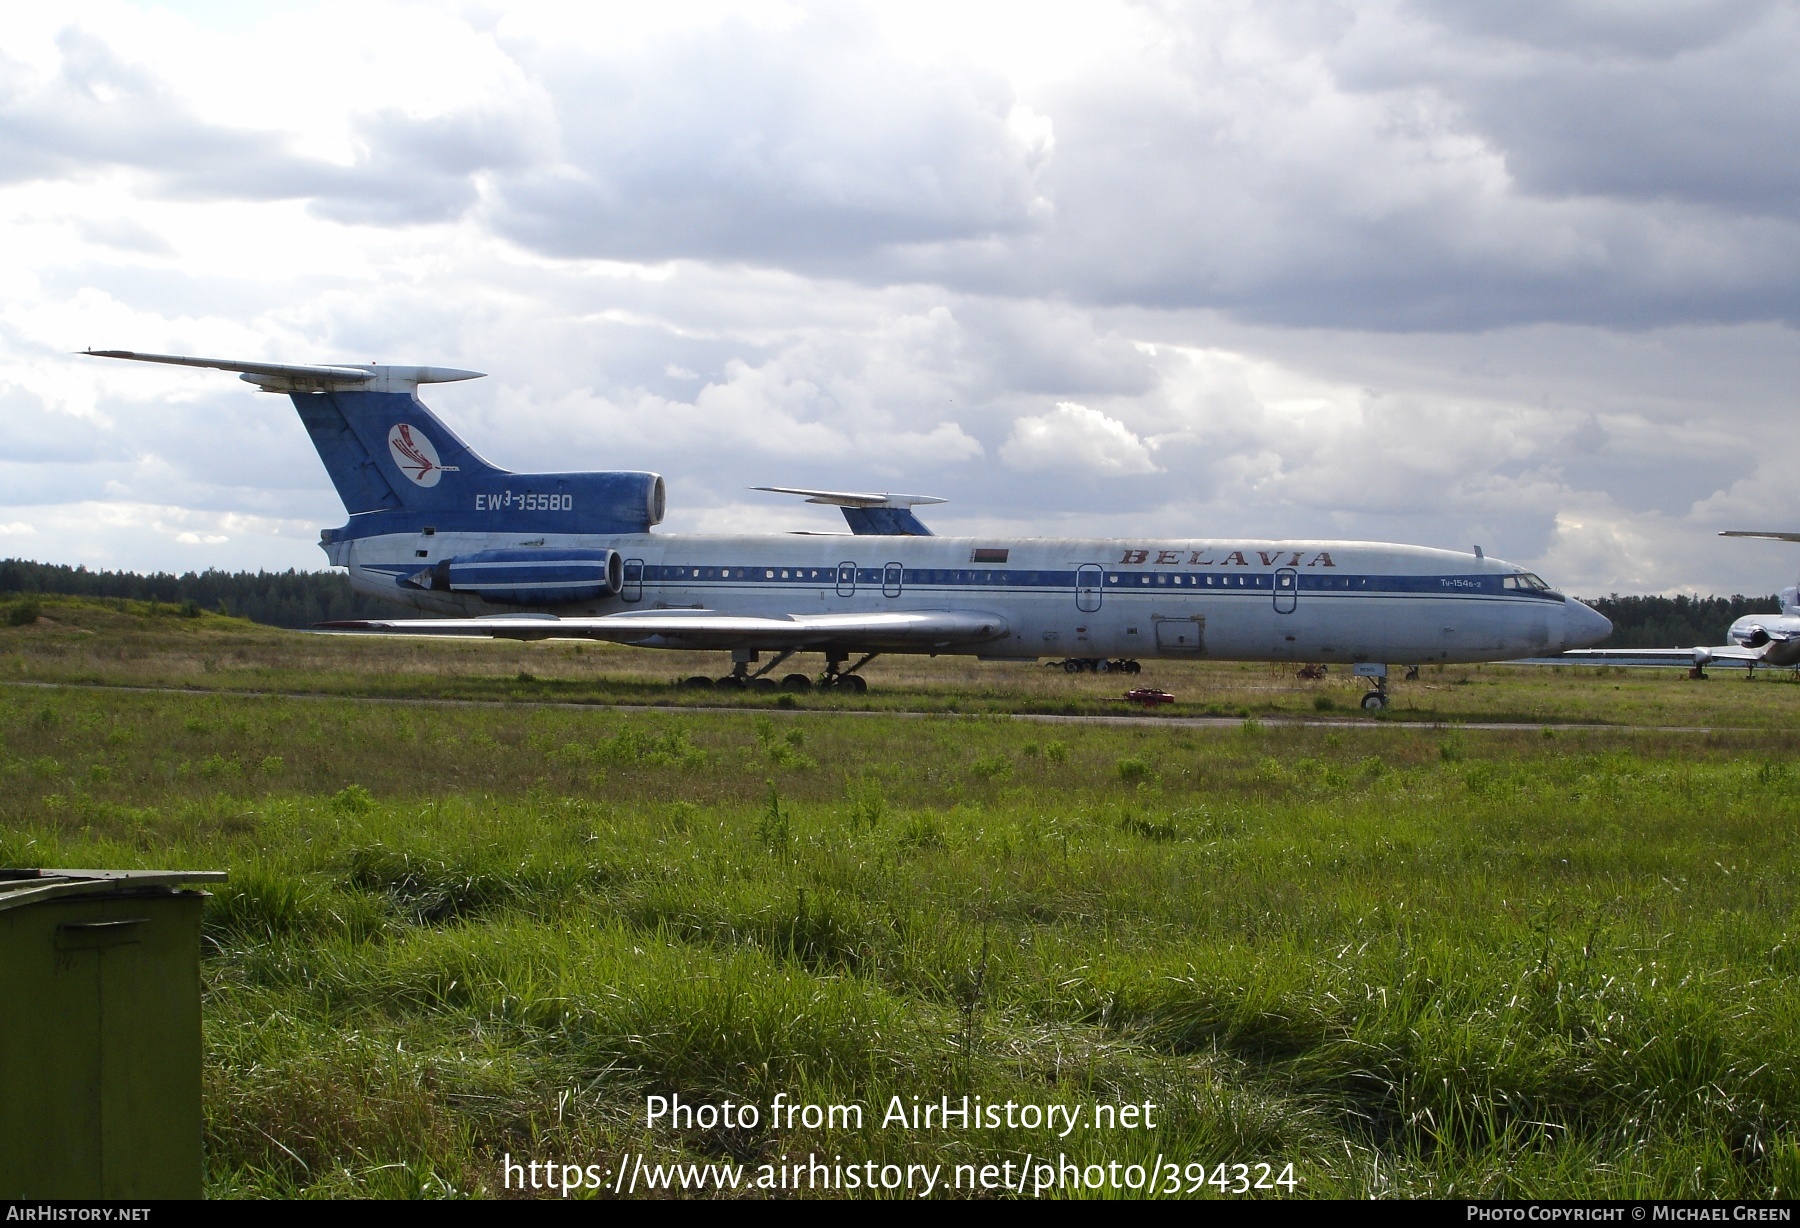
1229	599
485	551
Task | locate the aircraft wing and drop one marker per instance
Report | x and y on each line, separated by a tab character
911	631
1668	656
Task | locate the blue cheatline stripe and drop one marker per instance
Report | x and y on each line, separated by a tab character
1002	579
1114	582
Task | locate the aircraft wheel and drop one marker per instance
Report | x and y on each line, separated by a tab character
763	684
856	684
796	682
698	681
1131	667
1103	667
1071	666
1374	701
733	681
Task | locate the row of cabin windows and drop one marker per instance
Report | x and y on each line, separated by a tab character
1058	579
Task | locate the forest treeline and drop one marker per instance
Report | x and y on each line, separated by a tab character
302	598
1675	622
277	598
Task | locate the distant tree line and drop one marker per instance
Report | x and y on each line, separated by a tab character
302	598
277	598
1675	622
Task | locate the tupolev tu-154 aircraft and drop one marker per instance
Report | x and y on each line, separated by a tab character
572	555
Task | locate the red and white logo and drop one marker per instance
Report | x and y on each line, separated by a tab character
414	454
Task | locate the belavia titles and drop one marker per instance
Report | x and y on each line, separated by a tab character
574	555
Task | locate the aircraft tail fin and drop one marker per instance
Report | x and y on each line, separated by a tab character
356	414
354	432
386	452
1790	596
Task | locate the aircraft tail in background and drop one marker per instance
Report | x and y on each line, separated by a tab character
1790	596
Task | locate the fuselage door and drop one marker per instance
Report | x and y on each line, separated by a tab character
1180	634
1088	580
890	580
846	580
633	587
1287	590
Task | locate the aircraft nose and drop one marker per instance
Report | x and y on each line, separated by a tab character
1583	626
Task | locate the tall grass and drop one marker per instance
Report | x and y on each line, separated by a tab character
1408	962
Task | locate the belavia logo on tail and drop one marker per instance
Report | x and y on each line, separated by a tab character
414	454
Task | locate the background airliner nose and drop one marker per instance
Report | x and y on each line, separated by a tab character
1583	626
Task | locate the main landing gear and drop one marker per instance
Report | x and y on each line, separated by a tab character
845	679
1096	665
741	679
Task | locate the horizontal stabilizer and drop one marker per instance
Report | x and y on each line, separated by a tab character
847	498
921	630
289	377
873	515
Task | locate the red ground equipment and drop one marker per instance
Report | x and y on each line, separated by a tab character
1149	696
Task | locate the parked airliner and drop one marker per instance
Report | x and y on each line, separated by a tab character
539	555
1753	640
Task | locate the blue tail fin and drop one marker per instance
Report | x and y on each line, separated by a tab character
395	463
386	452
398	469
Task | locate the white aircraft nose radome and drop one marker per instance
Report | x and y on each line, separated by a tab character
1584	625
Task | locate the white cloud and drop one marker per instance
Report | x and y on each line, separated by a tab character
1401	270
1074	437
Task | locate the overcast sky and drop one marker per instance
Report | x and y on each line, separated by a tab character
1525	274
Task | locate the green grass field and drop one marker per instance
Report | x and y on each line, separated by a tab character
1405	961
139	644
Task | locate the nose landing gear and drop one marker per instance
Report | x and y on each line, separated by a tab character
1377	674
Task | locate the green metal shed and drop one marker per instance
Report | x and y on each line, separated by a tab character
100	1033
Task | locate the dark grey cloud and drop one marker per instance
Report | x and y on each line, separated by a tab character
1687	102
1427	166
100	111
802	147
32	433
1392	169
1606	28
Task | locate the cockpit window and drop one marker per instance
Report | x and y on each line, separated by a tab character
1526	580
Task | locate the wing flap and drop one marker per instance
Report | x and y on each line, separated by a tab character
704	629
